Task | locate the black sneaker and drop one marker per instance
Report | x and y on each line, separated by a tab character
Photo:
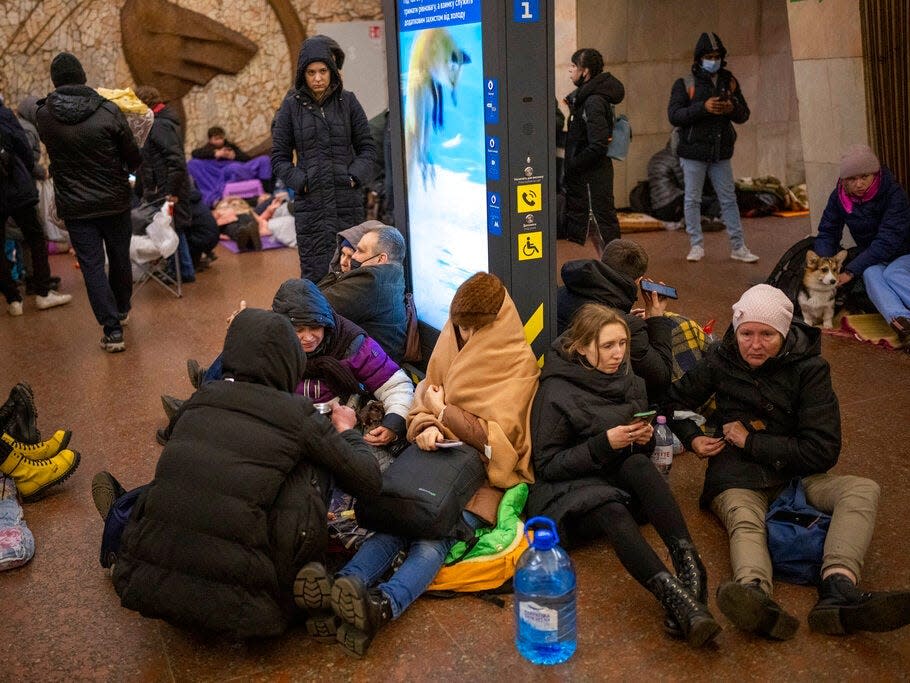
753	610
113	342
105	490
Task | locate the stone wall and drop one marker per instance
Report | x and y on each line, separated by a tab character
33	31
648	44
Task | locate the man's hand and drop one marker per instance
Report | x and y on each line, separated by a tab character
715	105
426	440
234	314
381	436
735	433
844	278
343	418
707	447
655	304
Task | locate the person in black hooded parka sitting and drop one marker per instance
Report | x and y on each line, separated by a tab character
238	503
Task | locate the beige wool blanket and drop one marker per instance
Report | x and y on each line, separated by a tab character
494	376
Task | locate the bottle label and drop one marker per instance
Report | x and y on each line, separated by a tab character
662	456
538	617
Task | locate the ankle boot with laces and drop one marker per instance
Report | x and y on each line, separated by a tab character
19	416
842	608
43	449
34	477
363	611
697	625
689	569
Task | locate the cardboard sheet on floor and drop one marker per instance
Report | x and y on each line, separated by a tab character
268	242
638	222
868	327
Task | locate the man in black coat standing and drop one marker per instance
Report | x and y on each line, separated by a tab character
328	130
92	153
18	199
588	169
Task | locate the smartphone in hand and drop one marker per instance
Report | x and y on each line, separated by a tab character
644	416
449	443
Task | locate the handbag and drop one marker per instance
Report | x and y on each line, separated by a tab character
796	536
423	494
412	353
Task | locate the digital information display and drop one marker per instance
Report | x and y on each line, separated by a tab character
444	107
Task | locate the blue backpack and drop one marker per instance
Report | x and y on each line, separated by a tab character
796	536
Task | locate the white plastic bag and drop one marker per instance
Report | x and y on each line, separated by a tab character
54	227
159	240
284	230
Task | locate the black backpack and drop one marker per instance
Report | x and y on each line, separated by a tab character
787	275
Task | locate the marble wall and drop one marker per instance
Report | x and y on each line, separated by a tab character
33	31
648	44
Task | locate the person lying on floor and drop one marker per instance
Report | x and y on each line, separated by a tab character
238	502
479	386
777	418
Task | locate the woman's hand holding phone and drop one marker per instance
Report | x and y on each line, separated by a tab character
623	436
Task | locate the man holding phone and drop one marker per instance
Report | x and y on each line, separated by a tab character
704	107
614	281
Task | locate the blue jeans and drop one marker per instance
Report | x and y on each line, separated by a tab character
888	286
109	294
721	174
423	562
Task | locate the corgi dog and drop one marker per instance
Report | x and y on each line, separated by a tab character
435	63
819	285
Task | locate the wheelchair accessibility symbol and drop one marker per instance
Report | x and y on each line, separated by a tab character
529	198
530	246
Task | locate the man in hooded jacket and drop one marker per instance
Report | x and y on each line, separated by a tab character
588	169
326	127
92	153
238	503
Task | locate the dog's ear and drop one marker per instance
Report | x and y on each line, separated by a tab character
811	259
841	257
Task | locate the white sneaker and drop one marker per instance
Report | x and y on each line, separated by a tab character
14	308
743	254
52	299
696	254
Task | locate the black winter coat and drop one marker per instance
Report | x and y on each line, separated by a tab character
335	158
573	459
18	190
92	152
787	404
238	503
372	297
163	169
651	345
591	123
704	136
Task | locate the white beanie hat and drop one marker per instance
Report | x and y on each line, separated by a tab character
764	304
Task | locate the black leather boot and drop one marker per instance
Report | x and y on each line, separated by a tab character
753	610
689	569
19	416
196	372
843	608
363	612
313	593
695	621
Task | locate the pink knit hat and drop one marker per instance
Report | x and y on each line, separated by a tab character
858	160
764	304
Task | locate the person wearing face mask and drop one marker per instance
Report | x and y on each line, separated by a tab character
323	150
704	108
875	209
592	466
588	170
371	292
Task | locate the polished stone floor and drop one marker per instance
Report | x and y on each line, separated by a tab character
62	619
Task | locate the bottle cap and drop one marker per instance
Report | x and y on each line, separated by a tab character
545	535
661	420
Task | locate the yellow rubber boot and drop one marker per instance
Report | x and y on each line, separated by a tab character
34	477
42	449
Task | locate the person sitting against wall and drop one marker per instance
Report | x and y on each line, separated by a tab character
219	161
875	209
614	281
371	294
592	464
777	418
264	463
480	382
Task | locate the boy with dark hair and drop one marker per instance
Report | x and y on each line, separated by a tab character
614	281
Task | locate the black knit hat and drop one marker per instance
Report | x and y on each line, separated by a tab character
66	69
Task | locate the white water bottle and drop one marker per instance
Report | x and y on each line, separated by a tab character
662	457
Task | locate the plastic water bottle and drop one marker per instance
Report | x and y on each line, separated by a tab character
662	457
545	629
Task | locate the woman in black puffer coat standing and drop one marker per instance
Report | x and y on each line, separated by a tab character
238	503
591	462
328	130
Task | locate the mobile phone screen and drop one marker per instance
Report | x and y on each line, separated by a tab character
644	416
663	290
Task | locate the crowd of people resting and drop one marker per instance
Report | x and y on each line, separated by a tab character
263	547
